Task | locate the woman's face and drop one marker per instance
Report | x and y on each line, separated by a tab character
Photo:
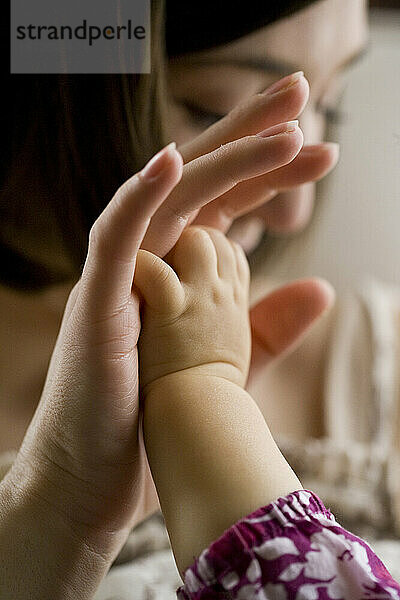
321	40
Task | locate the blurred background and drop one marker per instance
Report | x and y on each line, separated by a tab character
355	233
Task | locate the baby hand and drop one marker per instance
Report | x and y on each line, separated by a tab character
196	308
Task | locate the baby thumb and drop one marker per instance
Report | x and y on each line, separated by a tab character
158	283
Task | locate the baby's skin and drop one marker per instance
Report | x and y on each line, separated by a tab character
211	454
197	313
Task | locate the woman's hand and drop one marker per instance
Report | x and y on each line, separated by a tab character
81	462
226	176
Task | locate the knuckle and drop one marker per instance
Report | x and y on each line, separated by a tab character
98	240
190	231
218	295
246	269
239	112
176	213
197	235
226	157
129	187
163	272
95	233
240	252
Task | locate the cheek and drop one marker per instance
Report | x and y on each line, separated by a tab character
184	132
290	211
179	127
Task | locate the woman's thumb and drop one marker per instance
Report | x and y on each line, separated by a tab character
281	319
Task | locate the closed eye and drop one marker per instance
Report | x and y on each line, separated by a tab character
205	118
202	117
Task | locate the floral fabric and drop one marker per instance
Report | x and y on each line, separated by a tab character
292	549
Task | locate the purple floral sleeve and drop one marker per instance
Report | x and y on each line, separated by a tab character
292	549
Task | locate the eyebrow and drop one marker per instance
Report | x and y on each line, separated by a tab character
278	67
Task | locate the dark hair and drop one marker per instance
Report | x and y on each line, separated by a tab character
69	141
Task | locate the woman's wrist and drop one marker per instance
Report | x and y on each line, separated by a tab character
42	554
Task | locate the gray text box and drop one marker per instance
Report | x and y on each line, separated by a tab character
80	36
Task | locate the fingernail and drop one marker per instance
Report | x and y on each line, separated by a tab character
156	165
287	127
285	83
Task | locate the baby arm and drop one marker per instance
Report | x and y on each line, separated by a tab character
211	453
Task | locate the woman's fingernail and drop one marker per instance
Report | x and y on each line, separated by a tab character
287	127
285	83
156	165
